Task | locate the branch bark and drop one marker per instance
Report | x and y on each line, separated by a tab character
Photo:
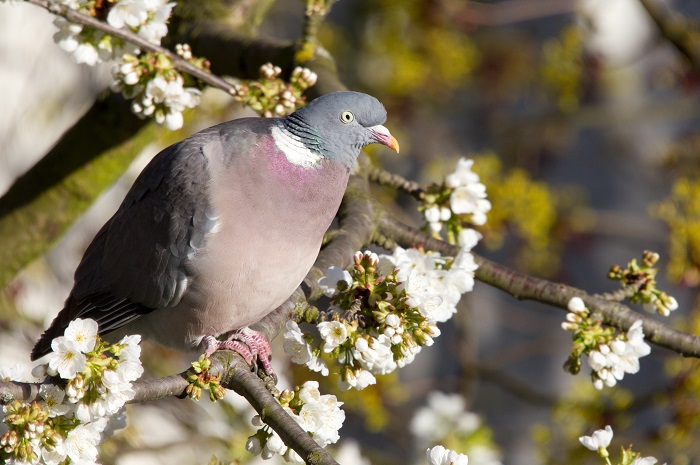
524	287
44	202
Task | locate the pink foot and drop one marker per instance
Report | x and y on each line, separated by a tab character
249	344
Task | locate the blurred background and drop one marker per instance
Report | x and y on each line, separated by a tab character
583	121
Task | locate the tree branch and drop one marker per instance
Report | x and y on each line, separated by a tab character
524	287
235	374
396	181
678	30
44	202
179	63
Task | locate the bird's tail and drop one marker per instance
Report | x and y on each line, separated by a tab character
57	328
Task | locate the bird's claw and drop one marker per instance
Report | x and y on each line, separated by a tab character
249	344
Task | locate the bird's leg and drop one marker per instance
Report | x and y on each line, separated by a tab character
250	344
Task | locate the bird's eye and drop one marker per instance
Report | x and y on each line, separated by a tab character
347	117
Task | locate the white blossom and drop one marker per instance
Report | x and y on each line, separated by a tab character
81	442
128	13
154	30
469	194
438	455
443	414
294	344
663	306
132	349
66	359
644	461
576	305
600	439
357	378
320	415
275	445
333	275
374	354
610	362
56	455
86	53
253	445
53	400
83	333
432	214
468	238
463	174
11	373
392	320
333	333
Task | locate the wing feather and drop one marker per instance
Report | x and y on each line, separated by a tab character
139	260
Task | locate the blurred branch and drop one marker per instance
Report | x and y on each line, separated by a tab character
511	383
683	34
524	287
510	11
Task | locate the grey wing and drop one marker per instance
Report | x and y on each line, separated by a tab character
139	260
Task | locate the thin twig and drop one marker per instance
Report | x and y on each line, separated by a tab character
396	181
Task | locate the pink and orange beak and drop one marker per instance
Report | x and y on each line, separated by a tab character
383	136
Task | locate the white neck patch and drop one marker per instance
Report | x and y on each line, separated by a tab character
294	149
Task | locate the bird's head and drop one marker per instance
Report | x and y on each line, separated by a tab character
339	125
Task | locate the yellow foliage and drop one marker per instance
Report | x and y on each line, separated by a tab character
406	55
679	436
528	207
562	66
681	212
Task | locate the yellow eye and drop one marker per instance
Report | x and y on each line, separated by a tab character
347	117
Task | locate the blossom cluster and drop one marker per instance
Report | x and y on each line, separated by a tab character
641	278
319	415
94	383
445	419
150	79
599	442
383	311
460	198
158	90
270	96
155	88
610	355
147	18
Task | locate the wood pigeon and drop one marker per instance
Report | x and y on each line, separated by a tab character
221	228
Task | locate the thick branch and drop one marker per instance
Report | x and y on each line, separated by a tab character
45	201
522	286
